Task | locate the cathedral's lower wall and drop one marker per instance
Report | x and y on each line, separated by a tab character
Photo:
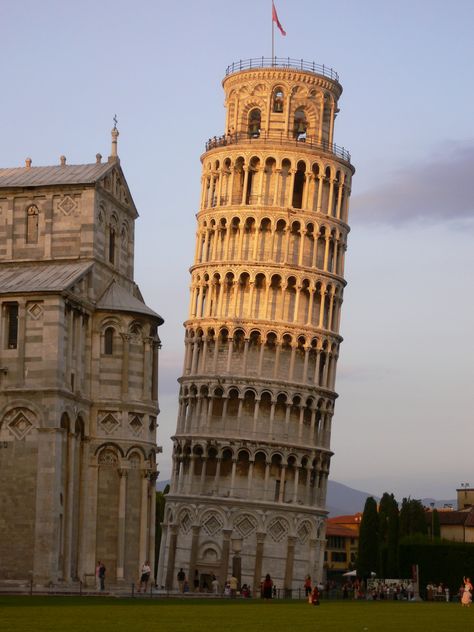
18	467
222	538
69	498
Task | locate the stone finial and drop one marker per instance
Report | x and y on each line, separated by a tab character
98	158
62	160
28	163
115	134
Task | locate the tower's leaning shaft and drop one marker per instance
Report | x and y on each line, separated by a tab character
252	445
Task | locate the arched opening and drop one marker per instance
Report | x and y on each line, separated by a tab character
298	186
300	125
255	121
278	100
250	195
109	341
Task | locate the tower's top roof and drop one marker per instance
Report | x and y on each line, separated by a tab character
282	62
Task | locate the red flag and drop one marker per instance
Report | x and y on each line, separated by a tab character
276	20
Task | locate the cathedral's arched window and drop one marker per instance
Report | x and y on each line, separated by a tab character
255	120
112	245
278	100
109	341
32	217
300	125
11	317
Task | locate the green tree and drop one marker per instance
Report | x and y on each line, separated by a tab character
412	518
388	536
159	517
367	555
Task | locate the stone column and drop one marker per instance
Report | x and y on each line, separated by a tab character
143	518
267	479
154	379
290	558
225	556
88	512
121	526
257	574
164	537
69	507
193	554
281	495
171	557
125	364
152	526
244	188
146	368
277	188
232	478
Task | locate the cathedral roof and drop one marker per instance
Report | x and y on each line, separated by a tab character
40	276
117	298
59	174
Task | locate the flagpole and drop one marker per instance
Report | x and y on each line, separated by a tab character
273	36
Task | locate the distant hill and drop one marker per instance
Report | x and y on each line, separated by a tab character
343	500
162	484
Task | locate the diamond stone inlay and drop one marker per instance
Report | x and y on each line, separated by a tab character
67	205
278	530
185	523
212	525
20	425
245	526
109	423
304	531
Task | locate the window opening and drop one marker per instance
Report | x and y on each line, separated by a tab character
278	100
255	120
300	125
109	341
12	325
32	217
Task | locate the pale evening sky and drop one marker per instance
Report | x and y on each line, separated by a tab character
404	419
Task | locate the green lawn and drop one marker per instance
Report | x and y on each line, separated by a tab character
89	614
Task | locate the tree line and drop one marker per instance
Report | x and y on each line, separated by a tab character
384	528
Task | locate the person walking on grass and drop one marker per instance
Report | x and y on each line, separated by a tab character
467	594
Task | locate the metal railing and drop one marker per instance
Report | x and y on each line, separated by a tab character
282	62
280	138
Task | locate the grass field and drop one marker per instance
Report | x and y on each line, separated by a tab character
72	614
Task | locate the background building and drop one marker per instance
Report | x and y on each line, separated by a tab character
78	377
252	445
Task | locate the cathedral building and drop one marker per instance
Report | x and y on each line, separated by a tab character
78	377
252	444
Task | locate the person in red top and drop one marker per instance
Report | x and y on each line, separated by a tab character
267	587
315	596
307	586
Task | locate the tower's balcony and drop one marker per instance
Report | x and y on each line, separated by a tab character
282	62
301	141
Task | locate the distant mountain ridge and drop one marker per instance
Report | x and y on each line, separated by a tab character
344	500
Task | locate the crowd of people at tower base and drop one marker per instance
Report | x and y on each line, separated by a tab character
372	590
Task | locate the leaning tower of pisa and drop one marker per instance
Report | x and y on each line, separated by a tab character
252	444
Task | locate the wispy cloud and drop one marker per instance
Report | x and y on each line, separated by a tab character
440	189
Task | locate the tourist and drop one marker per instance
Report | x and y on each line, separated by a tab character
196	581
215	585
181	577
267	587
315	596
97	575
102	576
144	576
233	583
307	586
467	594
